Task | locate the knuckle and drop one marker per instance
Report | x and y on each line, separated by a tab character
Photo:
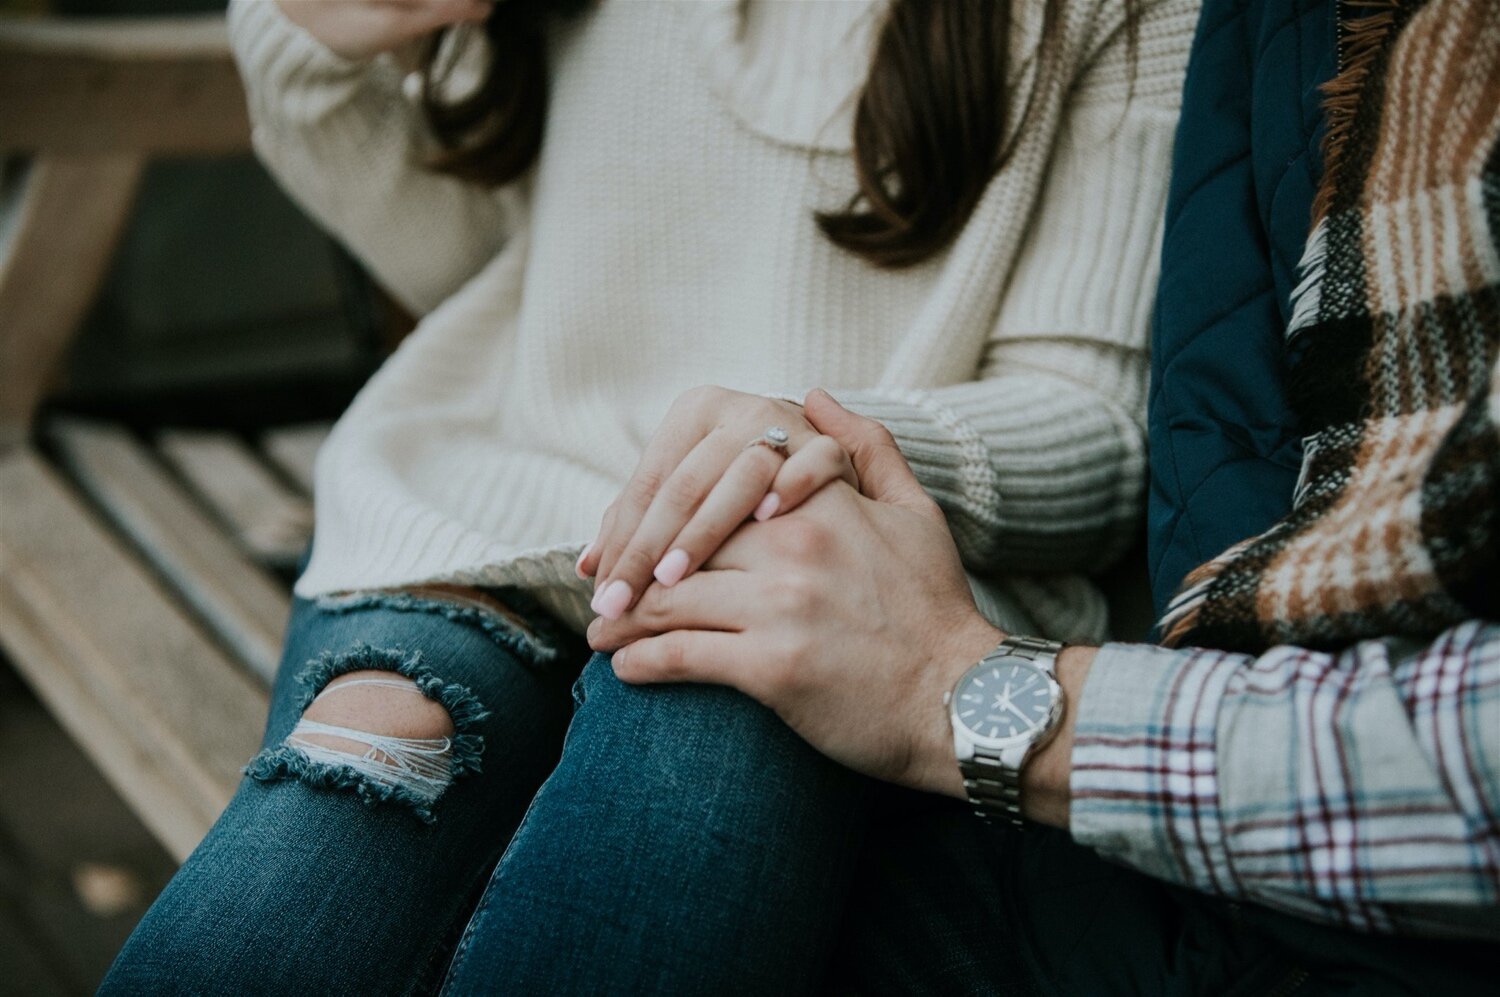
634	562
671	662
683	492
824	465
654	607
703	542
826	448
801	538
800	482
611	547
643	487
796	594
873	435
888	442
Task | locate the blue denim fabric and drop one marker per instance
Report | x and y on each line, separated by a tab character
687	843
683	839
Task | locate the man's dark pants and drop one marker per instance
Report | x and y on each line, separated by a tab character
945	904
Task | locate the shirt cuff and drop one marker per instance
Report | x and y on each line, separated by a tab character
1145	780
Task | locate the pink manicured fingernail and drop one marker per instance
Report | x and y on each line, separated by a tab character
614	600
578	564
767	507
672	567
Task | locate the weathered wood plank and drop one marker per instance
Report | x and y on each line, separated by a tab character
168	717
166	86
68	221
293	449
273	522
241	603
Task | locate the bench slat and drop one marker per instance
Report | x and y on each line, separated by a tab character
273	522
239	600
167	716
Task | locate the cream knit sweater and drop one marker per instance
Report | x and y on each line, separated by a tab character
665	239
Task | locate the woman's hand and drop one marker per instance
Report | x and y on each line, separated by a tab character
850	618
699	479
359	29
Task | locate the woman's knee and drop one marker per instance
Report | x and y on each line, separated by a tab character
683	711
683	738
391	696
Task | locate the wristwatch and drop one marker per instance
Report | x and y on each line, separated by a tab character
1002	710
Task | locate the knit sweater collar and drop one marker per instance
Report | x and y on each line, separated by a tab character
789	71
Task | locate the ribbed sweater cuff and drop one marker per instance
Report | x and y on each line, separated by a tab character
948	457
1035	473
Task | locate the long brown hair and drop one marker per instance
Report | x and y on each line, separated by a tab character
930	129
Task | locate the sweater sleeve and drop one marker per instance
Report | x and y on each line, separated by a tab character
347	144
1039	463
1357	788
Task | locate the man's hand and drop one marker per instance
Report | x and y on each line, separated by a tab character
849	617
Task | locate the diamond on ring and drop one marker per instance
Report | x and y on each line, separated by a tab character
774	438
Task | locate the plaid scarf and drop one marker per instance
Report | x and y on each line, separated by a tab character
1395	524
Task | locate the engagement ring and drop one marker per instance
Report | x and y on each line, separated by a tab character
774	438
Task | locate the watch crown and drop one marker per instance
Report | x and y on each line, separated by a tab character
947	697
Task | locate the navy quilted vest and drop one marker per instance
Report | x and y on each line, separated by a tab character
1225	448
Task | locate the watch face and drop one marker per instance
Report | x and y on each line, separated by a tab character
1006	698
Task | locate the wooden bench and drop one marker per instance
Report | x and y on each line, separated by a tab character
142	575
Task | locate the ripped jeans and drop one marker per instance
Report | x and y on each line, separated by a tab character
494	833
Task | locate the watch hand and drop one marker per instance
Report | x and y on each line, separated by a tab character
1025	719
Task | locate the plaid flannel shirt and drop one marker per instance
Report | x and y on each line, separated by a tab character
1360	788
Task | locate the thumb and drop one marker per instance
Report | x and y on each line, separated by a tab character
884	475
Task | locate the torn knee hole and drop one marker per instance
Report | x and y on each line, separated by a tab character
381	725
378	722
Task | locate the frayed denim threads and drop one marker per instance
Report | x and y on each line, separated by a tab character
464	710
